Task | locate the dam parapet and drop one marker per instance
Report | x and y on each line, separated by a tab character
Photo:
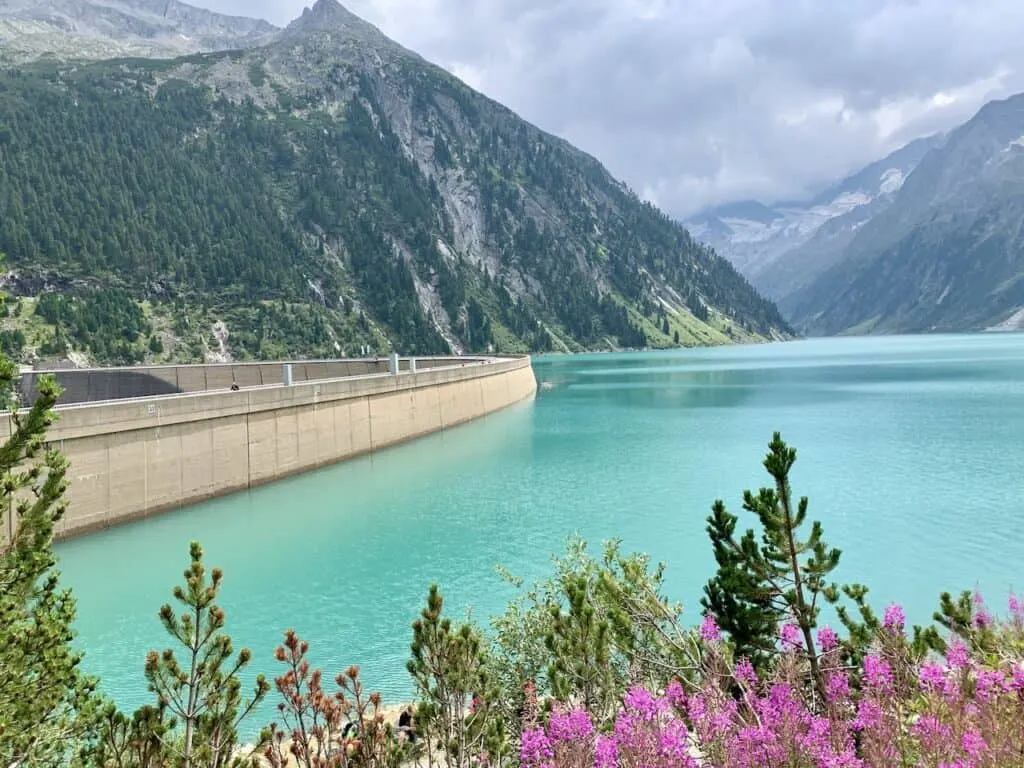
90	385
148	439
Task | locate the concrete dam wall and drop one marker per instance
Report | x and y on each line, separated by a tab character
139	456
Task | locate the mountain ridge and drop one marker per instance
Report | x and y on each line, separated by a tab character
324	191
946	255
92	30
782	246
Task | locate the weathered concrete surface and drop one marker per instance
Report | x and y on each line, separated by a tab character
134	458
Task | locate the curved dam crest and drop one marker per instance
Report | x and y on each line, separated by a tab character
139	456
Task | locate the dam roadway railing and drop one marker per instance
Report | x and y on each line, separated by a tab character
94	385
168	436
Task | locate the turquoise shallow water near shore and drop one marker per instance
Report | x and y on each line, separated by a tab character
911	450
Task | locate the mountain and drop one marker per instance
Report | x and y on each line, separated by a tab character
319	193
103	29
947	254
782	247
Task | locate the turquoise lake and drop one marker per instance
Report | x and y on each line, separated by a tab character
911	450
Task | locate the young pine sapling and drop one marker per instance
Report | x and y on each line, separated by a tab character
203	690
763	581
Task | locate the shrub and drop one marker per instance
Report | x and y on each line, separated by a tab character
318	728
954	711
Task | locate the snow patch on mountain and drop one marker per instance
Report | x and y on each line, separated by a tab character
794	222
892	180
750	243
755	236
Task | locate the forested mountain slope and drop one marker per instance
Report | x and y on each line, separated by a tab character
320	193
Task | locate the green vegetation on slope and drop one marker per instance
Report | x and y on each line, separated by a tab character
162	210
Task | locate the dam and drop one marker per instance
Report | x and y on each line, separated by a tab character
148	439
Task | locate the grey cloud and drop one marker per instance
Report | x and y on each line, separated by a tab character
705	101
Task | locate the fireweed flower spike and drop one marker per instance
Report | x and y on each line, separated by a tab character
963	711
894	618
827	639
791	638
956	655
772	687
709	630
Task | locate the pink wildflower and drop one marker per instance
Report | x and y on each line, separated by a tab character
968	719
675	695
791	637
640	700
697	708
956	655
982	617
709	631
974	745
1017	678
932	676
827	639
894	618
1016	608
535	748
837	687
932	732
745	672
606	753
722	720
570	726
869	714
989	684
877	672
672	743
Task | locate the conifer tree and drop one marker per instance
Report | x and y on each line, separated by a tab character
320	728
964	618
457	698
763	581
580	644
141	740
48	709
203	691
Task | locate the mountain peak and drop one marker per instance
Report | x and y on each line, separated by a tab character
328	21
324	16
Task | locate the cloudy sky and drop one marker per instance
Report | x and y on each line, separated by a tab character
699	102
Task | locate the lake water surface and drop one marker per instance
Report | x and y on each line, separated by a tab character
911	450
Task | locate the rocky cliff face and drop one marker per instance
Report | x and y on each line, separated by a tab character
333	176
